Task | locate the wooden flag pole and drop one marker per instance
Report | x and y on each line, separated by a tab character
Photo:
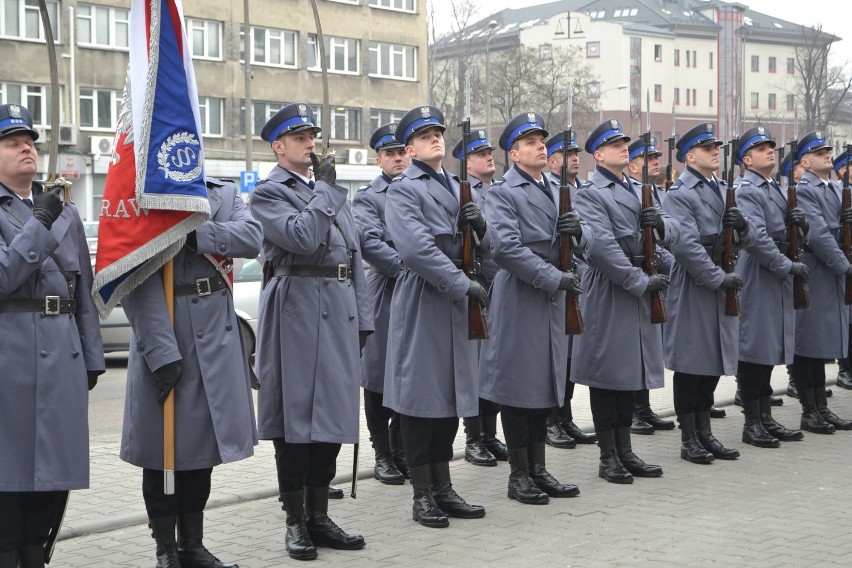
169	405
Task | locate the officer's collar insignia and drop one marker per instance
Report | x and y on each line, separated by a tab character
14	111
424	112
303	110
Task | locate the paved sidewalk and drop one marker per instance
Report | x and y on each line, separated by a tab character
769	508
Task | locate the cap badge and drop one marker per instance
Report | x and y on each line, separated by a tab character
818	134
14	111
481	134
392	127
303	110
424	112
709	128
613	124
531	117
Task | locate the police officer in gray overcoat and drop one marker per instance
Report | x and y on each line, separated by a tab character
523	362
822	331
368	207
700	341
431	372
621	350
844	373
314	318
481	444
767	318
50	349
562	432
202	357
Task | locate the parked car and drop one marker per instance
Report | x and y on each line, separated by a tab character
91	230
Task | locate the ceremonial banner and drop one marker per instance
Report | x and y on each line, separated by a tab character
155	192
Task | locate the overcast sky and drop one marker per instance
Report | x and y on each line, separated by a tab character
835	17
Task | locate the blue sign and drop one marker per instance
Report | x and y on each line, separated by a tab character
247	181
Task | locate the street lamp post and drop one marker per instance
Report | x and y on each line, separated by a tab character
491	25
619	87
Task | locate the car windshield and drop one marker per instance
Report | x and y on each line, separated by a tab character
250	271
91	229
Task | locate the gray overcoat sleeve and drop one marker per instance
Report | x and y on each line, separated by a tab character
239	237
374	249
820	240
763	249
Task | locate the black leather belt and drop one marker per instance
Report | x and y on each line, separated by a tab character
784	246
201	286
340	272
50	305
639	261
716	253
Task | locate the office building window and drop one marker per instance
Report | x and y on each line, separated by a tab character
791	66
677	58
755	100
21	19
205	38
102	26
341	54
688	97
771	101
694	98
791	103
771	65
710	60
658	93
710	99
379	117
393	61
210	113
270	46
658	52
99	108
35	97
402	5
261	112
345	123
694	58
688	58
677	96
593	49
755	63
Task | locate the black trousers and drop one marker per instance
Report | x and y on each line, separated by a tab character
192	489
26	517
693	393
611	408
427	440
524	427
808	373
488	408
753	379
564	411
304	465
642	399
380	419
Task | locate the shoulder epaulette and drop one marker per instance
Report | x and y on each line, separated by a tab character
362	188
586	184
804	181
676	185
500	181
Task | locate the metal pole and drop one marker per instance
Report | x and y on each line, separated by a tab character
249	114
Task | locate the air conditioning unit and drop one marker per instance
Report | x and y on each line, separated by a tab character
42	134
358	156
101	145
67	135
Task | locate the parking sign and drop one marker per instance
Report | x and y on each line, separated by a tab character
247	181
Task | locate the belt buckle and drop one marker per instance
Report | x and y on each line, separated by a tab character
202	287
51	305
342	272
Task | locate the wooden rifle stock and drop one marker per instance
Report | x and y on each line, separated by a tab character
801	299
732	303
847	234
658	308
573	317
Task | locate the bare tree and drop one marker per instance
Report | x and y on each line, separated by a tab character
822	88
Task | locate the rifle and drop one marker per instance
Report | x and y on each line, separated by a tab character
658	308
847	228
671	144
729	254
801	299
573	316
477	328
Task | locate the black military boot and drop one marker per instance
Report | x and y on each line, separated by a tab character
163	531
324	531
474	451
776	401
812	420
385	469
828	415
738	397
639	426
792	390
398	453
521	486
773	427
191	550
631	461
690	448
650	417
32	556
611	467
335	492
556	436
425	511
753	431
298	540
447	499
489	438
844	374
716	412
543	479
705	436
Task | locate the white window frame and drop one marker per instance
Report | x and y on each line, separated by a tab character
380	116
92	95
392	5
334	43
271	34
28	13
204	26
205	112
394	51
342	112
29	91
269	109
115	17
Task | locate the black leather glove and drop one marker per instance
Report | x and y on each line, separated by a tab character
732	280
167	377
571	283
796	216
657	282
93	378
362	341
569	224
801	270
846	216
471	213
324	171
651	217
478	292
47	206
733	217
